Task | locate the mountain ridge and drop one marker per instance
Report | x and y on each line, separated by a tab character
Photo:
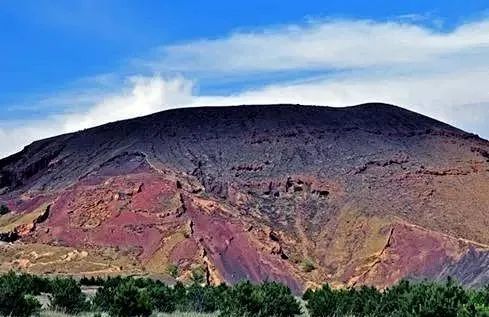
364	106
253	110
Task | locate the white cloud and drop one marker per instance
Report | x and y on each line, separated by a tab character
145	96
443	75
343	44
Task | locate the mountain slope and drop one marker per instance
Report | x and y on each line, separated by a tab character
365	194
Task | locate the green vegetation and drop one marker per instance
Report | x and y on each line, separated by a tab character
139	297
66	296
198	275
267	299
92	281
15	299
4	210
172	270
50	313
129	300
404	299
129	296
307	266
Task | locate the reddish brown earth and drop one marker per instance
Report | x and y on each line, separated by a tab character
305	195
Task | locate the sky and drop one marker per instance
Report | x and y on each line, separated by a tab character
71	65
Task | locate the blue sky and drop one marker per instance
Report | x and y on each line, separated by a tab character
67	65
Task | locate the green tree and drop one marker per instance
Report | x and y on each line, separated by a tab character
277	300
67	296
92	281
180	296
239	301
321	302
15	299
202	299
429	299
130	300
34	284
265	300
163	298
424	299
103	299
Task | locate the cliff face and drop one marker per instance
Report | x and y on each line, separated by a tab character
305	195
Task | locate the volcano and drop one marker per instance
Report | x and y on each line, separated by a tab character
304	195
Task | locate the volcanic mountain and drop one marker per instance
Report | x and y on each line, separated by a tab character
305	195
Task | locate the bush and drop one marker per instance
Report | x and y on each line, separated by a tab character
322	302
478	303
33	284
425	299
404	299
198	275
194	298
29	306
202	299
172	270
277	300
67	296
267	299
307	266
92	281
163	298
130	300
121	297
180	296
126	296
104	299
14	297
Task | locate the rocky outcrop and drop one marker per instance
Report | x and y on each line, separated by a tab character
18	226
472	269
9	236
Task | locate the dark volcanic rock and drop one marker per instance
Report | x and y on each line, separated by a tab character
472	269
212	143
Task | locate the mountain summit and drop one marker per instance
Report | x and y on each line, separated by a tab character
305	195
